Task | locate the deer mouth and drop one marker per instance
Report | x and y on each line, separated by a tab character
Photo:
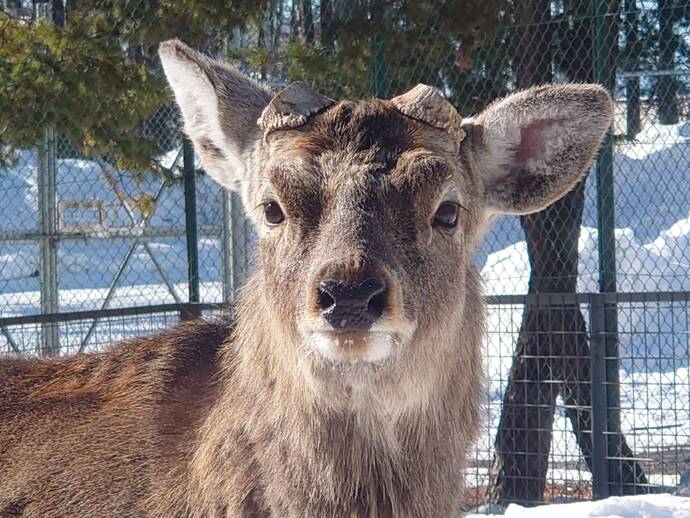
352	347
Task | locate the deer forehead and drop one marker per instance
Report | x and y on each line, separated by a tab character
363	146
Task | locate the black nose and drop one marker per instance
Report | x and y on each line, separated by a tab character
352	306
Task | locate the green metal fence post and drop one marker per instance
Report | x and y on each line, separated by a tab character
47	210
668	43
597	345
189	174
226	246
632	83
47	203
239	242
604	43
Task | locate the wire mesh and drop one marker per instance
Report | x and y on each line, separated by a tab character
93	204
654	405
531	410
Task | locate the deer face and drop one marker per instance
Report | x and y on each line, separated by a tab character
368	213
366	218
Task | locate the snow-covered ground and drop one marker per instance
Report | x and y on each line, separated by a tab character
652	210
87	267
647	506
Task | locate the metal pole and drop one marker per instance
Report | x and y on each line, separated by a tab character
597	345
632	84
667	86
604	166
189	172
47	210
50	344
233	251
226	246
604	42
239	243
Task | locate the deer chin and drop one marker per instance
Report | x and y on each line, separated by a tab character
373	347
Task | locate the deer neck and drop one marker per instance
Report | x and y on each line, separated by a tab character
296	434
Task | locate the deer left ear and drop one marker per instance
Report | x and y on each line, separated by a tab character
219	107
531	148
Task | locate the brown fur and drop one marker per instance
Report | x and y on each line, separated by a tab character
274	414
85	436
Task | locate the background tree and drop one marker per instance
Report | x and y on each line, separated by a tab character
95	78
552	355
422	41
667	85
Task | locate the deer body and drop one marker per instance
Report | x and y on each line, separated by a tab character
349	381
193	422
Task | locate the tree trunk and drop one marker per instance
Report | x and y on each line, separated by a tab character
552	353
667	85
552	343
294	22
58	12
632	84
307	19
327	21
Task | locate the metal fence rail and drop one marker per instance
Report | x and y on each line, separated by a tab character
100	323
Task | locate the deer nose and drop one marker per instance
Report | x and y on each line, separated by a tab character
352	306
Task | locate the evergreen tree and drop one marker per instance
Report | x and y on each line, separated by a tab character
92	73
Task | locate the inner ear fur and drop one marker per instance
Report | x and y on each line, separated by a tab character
219	107
532	147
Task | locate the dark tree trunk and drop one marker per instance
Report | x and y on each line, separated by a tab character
552	352
667	86
327	17
58	11
523	438
632	84
552	347
294	22
307	19
276	19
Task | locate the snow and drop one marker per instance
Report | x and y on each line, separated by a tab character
646	506
87	267
654	138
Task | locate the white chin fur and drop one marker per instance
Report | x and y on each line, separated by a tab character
333	347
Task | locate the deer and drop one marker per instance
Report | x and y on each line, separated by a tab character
347	380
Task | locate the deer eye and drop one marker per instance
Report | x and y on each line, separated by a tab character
446	215
273	213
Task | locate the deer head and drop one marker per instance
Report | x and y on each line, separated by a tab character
368	213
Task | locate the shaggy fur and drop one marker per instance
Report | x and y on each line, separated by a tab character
273	413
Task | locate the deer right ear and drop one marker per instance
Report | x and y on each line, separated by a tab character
532	147
220	108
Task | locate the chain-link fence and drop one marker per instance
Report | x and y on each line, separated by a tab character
588	350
